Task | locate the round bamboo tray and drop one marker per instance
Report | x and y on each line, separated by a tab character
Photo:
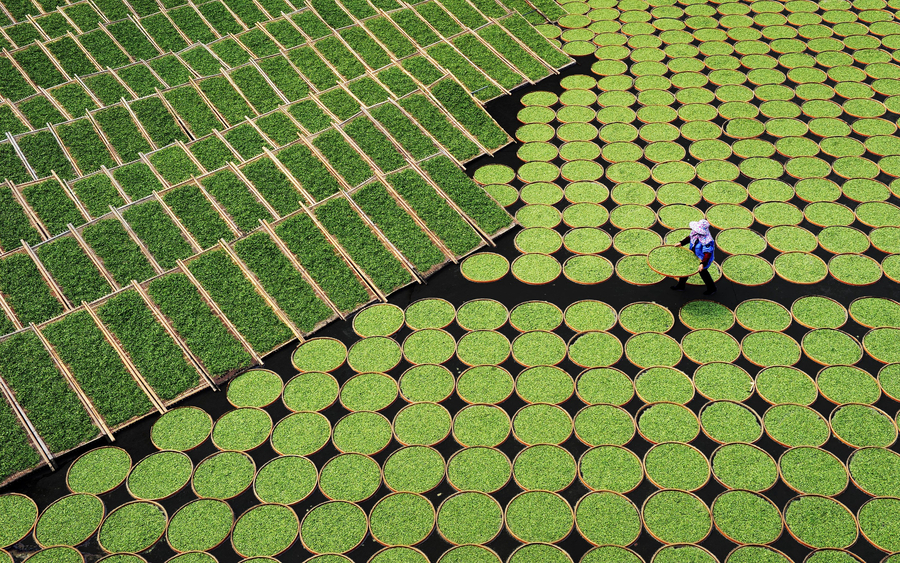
860	321
657	538
637	513
756	494
443	502
779	442
615	314
867	259
36	515
728	559
505	357
381	552
528	546
798	491
209	457
151	544
457	488
447	372
139	558
395	490
881	384
536	302
89	536
198	410
372	307
589	444
644	408
622	374
486	300
655	446
801	323
664	336
680	545
256	494
869	352
35	555
874	382
426	299
130	464
579	471
751	411
531	334
843	552
755	447
556	447
557	496
412	406
336	385
296	367
669	326
446	357
302	413
355	413
489	366
643	373
556	369
169	541
533	256
268	436
879	411
709	398
462	269
454	425
183	485
803	543
259	370
296	519
821	363
410	546
767	301
555	408
174	559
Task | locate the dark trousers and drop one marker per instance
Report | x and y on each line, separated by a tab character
704	275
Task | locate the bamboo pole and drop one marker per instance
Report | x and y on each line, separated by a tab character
218	311
21	155
10	314
144	250
240	175
320	293
232	226
33	218
73	383
345	255
126	361
93	257
453	204
42	448
173	334
54	287
260	289
184	232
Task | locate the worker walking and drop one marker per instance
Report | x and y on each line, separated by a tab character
704	246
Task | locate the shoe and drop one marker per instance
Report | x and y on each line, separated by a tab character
676	288
709	292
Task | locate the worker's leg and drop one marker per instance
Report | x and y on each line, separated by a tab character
710	284
680	285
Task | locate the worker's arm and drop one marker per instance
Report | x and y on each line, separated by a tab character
706	257
685	240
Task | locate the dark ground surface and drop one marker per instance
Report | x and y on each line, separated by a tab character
45	487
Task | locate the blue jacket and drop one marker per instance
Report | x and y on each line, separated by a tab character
701	249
